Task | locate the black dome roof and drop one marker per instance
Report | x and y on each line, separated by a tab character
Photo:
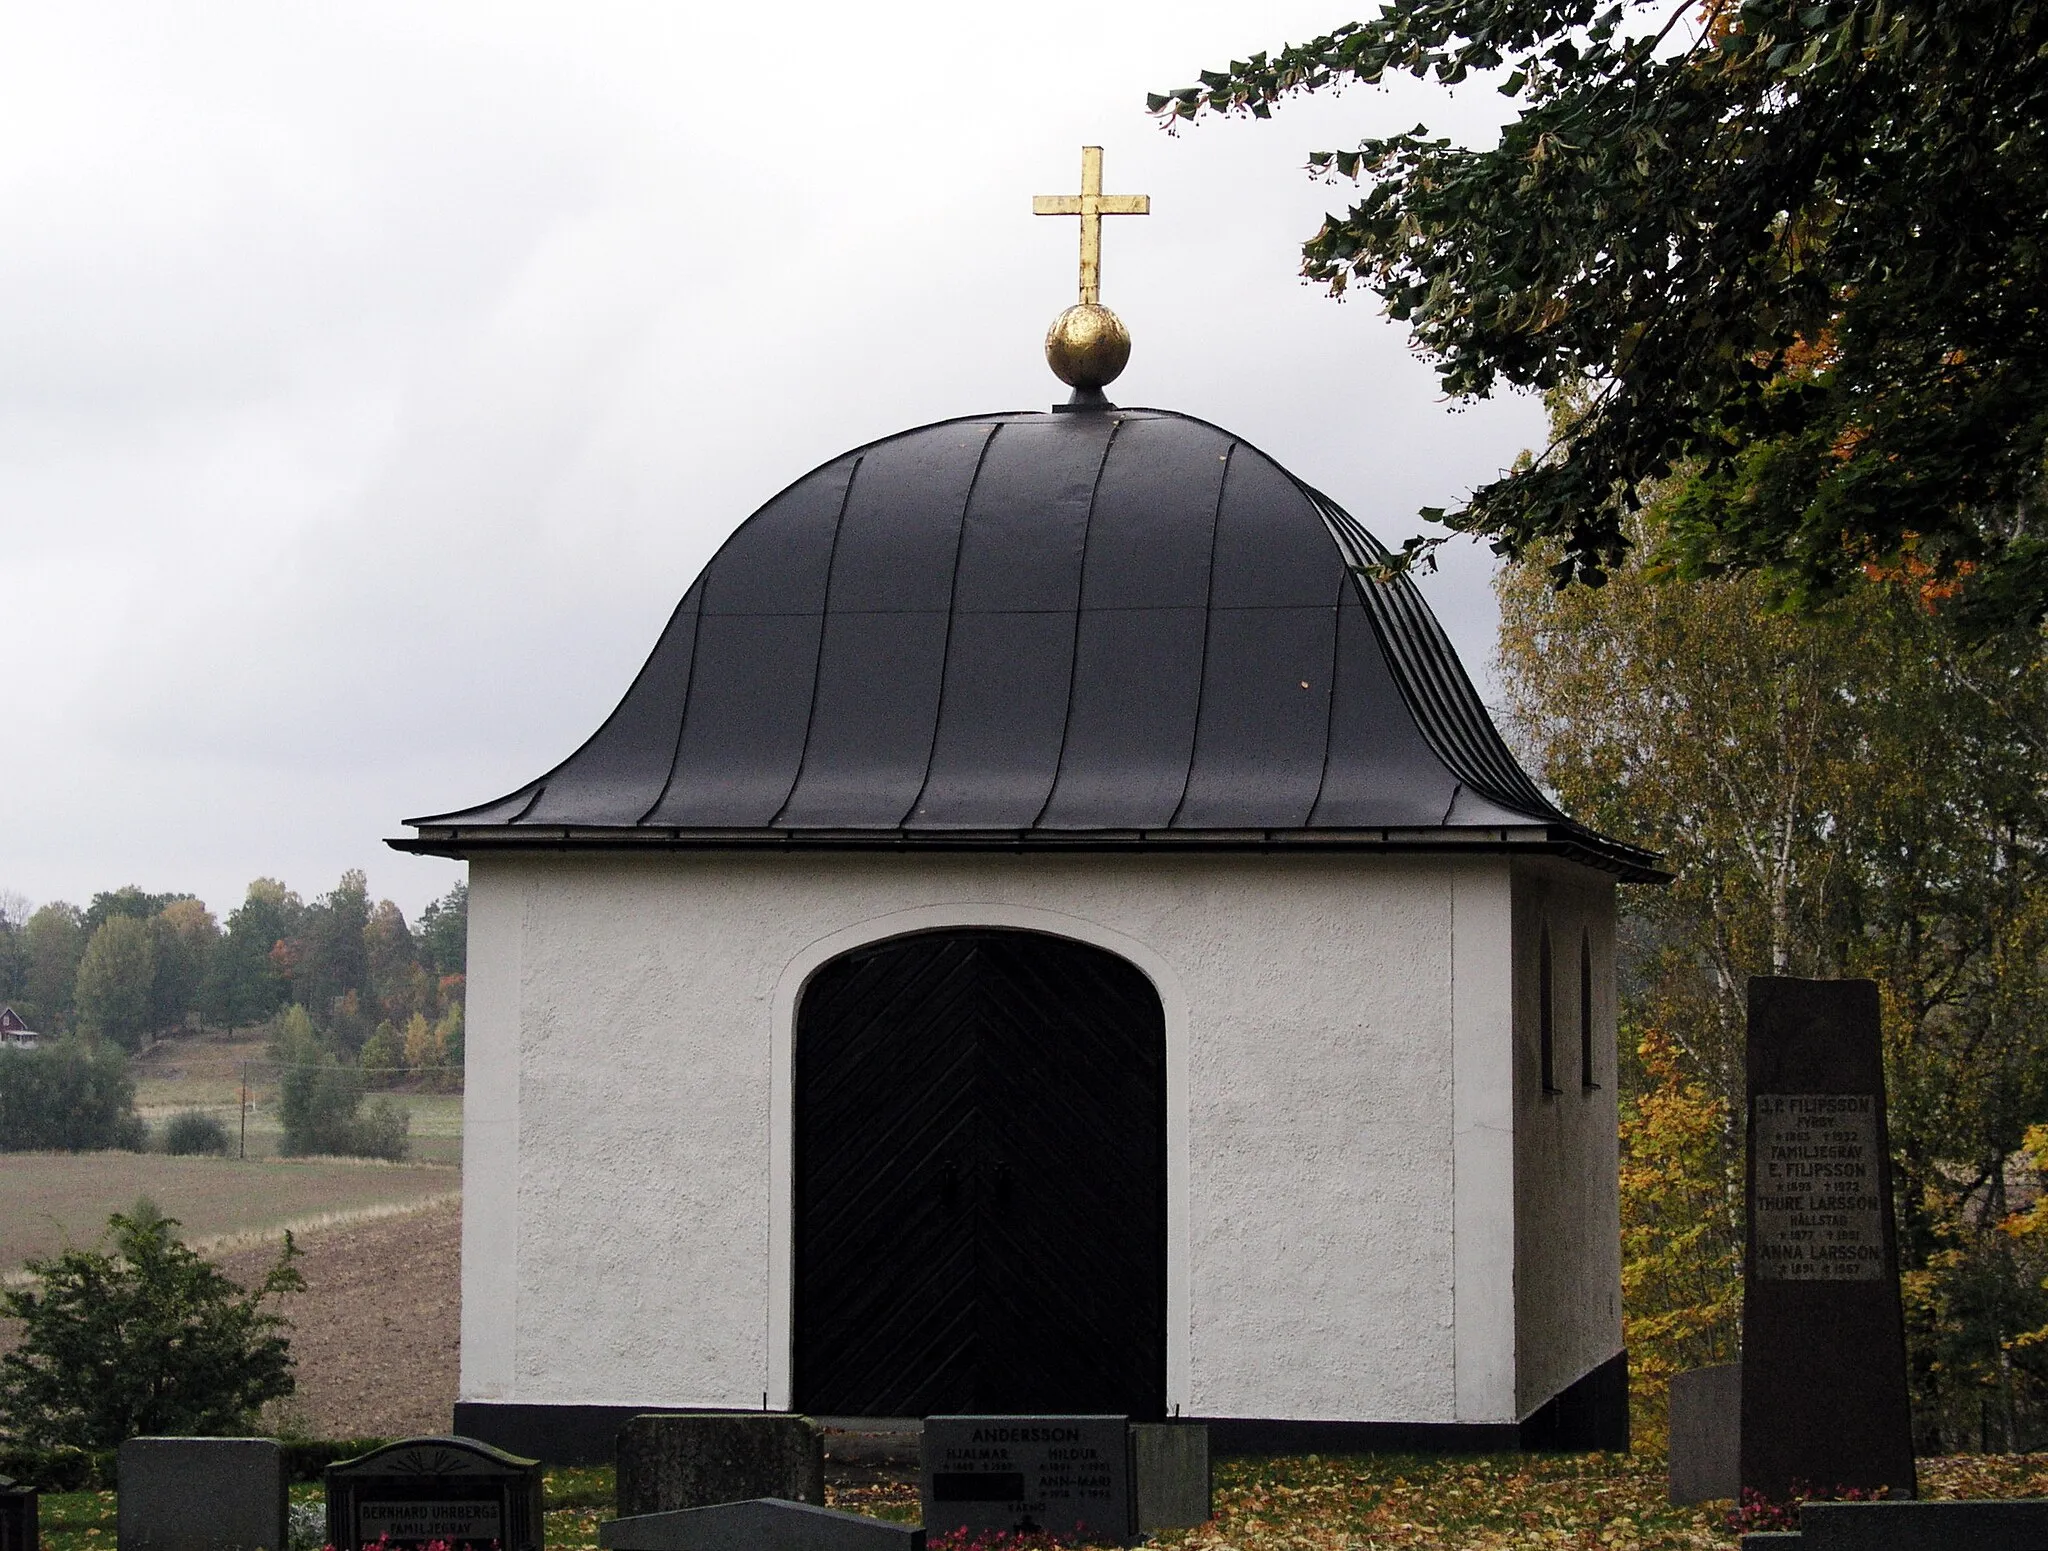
1122	627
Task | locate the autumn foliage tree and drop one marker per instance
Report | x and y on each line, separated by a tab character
115	978
1861	790
1681	1262
1689	196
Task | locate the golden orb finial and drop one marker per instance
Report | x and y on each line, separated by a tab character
1087	345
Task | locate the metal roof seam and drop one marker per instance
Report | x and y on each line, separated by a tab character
1447	710
1330	705
675	751
537	787
818	657
1074	654
1208	629
931	752
1424	698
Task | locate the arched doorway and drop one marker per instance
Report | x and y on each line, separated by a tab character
980	1180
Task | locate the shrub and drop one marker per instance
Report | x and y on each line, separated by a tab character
194	1131
323	1113
58	1470
317	1101
150	1339
382	1131
68	1097
320	1102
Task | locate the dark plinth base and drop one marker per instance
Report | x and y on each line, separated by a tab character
557	1435
1591	1414
1256	1436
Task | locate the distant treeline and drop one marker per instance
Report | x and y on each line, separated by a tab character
133	966
351	995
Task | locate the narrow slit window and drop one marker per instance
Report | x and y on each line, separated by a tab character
1586	1078
1546	1014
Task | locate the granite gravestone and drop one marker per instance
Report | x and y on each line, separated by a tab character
1705	1460
671	1462
1170	1484
2010	1525
764	1524
1067	1475
419	1490
20	1527
200	1494
1824	1400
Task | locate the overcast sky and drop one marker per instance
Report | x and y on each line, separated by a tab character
378	376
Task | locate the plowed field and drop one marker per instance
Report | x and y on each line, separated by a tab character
376	1331
51	1200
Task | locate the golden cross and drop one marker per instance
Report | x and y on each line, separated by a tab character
1091	205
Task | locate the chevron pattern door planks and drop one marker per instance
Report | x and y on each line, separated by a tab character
980	1180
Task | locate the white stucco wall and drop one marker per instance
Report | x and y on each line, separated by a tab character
1343	1093
1567	1185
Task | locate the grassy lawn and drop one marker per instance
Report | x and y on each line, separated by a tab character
1545	1502
206	1071
49	1200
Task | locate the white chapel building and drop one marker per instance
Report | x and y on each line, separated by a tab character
1045	931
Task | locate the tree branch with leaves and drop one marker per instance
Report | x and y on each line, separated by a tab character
1799	247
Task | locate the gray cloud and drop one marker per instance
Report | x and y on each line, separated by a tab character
378	377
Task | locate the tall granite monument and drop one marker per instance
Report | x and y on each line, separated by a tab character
1824	1401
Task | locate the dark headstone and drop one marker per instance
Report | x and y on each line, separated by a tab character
1169	1475
1772	1540
1706	1434
20	1528
200	1494
1824	1402
667	1463
763	1524
2011	1525
875	1444
1067	1475
425	1489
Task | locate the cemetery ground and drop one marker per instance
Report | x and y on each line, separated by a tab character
1314	1503
375	1334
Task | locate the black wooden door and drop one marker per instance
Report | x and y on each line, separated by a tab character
980	1180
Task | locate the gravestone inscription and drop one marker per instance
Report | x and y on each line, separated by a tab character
20	1527
421	1490
1816	1208
1824	1402
1066	1475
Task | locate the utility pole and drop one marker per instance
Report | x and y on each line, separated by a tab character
242	1152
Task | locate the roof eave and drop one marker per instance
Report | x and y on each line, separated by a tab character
1628	863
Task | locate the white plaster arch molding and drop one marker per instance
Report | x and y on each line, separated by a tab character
1173	1000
